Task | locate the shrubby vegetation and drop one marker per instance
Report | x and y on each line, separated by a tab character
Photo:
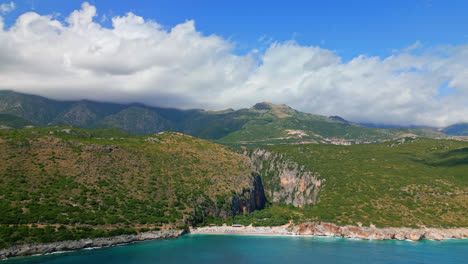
61	183
406	182
11	235
10	122
97	179
272	215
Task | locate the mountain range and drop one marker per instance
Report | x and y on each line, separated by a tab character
262	124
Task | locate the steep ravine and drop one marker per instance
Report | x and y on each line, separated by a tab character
285	181
244	200
251	199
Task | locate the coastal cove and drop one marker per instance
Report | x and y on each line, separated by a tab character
200	248
138	132
315	230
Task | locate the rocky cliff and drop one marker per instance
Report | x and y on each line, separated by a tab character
284	180
246	199
250	199
34	249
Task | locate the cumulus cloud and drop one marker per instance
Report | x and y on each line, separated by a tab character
7	7
138	60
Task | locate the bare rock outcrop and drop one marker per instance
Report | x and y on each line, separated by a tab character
284	180
251	199
371	233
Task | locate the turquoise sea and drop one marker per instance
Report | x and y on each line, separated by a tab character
264	249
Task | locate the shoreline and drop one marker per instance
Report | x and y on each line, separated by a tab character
324	237
349	232
73	245
302	230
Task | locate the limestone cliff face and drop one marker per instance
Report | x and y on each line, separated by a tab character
284	180
243	200
250	199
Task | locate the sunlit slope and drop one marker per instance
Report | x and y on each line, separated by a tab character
408	182
110	179
267	123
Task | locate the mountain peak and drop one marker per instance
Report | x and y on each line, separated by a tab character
268	105
339	119
279	110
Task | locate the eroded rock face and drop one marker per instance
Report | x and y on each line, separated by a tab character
251	199
247	200
284	180
370	233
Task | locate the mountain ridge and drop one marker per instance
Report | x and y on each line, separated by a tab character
262	124
459	129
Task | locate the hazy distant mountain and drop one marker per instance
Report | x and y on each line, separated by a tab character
262	124
36	109
387	126
134	119
12	122
460	129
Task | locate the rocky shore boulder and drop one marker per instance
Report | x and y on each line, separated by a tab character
371	233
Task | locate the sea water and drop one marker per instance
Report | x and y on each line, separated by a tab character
264	249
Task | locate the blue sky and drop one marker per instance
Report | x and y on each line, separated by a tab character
386	62
350	28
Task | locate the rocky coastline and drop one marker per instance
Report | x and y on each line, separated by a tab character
46	248
373	233
313	229
318	229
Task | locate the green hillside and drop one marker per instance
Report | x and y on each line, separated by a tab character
60	183
269	124
101	180
408	182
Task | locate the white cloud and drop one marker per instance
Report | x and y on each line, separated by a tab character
414	46
104	18
139	60
7	7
